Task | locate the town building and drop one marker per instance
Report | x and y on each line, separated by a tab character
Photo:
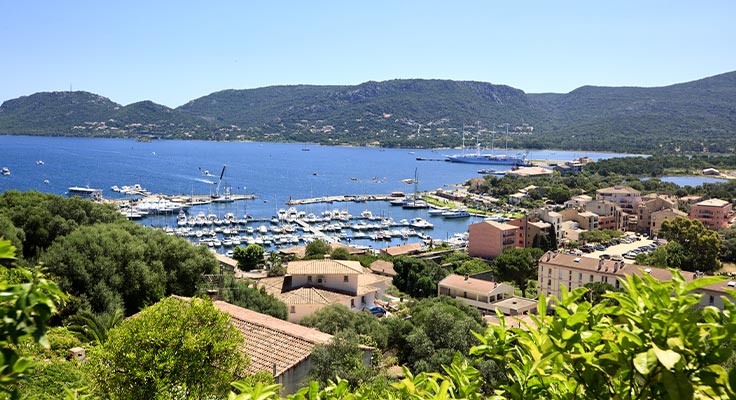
478	293
578	201
279	347
626	197
529	172
610	215
713	213
530	227
558	270
585	219
488	239
690	200
554	218
651	204
658	217
402	250
313	284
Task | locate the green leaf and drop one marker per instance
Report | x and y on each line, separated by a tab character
677	385
644	362
702	282
668	358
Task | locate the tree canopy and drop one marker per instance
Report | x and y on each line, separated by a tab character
518	265
337	318
417	277
249	257
700	245
172	349
125	265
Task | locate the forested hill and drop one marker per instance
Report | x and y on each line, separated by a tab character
690	116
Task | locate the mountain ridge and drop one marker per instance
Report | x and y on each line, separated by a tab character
689	116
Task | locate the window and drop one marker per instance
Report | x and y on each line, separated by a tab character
569	276
560	274
711	300
309	278
591	277
617	283
465	295
345	278
352	303
605	279
362	299
549	271
580	276
292	309
549	282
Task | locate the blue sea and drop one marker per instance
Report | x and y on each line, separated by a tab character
273	172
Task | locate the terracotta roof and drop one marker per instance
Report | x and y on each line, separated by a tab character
670	211
269	340
617	189
301	251
530	171
472	284
403	249
366	282
383	267
302	295
324	267
499	225
312	295
608	267
713	203
226	260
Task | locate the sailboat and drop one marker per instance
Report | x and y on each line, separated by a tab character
414	202
225	197
518	160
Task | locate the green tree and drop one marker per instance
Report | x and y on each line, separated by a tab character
173	349
248	295
472	266
518	265
650	346
340	253
596	291
699	244
27	302
439	327
728	251
248	258
125	265
342	358
337	318
91	327
417	277
317	249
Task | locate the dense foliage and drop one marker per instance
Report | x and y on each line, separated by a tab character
250	296
337	318
691	116
518	265
27	301
38	218
438	328
700	246
249	258
173	349
125	265
650	344
417	277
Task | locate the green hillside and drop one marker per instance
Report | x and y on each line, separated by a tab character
689	117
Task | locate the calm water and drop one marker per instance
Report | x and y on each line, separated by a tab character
274	172
683	181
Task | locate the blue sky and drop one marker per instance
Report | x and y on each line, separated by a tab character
171	52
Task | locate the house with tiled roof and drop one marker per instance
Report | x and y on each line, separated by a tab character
312	284
479	293
558	270
383	267
279	347
402	250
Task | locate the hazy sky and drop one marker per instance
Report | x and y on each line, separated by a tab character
171	52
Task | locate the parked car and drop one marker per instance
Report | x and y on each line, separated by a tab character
378	311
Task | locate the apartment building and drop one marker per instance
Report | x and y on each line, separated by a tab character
713	213
558	270
651	204
626	197
488	239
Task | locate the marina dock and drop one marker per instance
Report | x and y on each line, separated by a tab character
332	199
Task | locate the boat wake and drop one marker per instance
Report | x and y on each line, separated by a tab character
204	181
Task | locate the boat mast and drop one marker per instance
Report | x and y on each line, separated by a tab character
507	137
217	190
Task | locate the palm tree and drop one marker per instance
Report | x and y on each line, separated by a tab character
91	327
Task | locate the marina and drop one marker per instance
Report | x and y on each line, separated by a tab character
259	180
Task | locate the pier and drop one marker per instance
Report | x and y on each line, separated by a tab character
332	199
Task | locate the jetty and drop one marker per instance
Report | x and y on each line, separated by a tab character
332	199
